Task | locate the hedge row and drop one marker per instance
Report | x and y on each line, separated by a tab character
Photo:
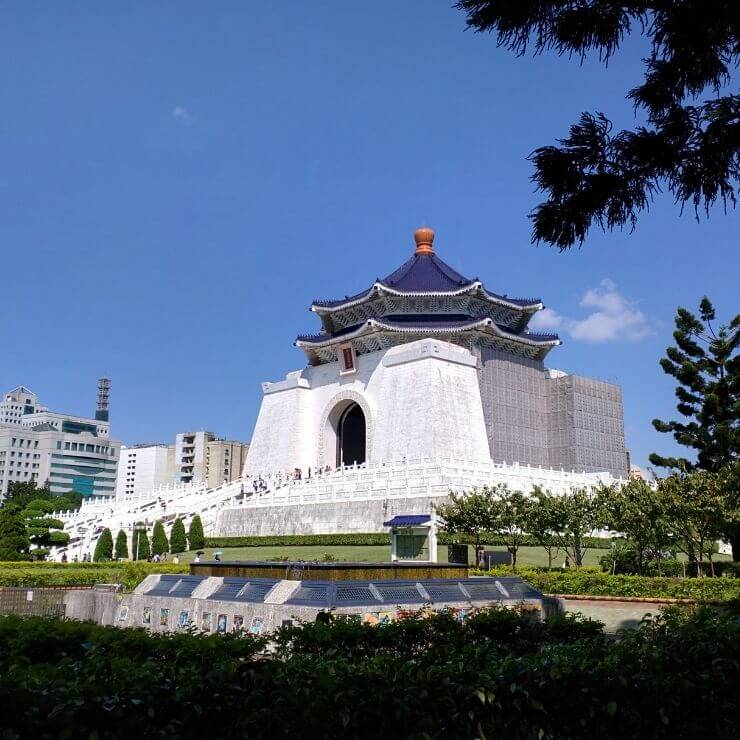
372	538
418	678
591	582
37	575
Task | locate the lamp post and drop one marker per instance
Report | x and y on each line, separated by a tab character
138	528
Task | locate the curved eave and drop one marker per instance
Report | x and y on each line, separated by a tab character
377	325
378	288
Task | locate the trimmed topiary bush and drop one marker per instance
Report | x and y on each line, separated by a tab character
160	544
140	545
104	547
178	542
121	551
196	540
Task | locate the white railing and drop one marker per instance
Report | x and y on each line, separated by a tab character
404	478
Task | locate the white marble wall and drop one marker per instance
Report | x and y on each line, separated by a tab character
420	399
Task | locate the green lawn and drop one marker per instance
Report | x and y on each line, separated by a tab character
367	553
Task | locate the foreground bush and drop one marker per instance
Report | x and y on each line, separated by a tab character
496	675
591	582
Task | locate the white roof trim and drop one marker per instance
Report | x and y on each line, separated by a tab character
470	287
375	324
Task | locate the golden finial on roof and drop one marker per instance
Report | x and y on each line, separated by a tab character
424	238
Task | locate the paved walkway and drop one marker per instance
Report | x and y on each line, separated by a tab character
614	614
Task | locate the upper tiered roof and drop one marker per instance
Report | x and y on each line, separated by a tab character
424	274
425	297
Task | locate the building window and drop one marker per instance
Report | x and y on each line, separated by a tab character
347	359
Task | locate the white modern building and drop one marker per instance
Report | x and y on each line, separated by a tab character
70	453
196	458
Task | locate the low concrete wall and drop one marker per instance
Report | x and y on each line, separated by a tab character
312	518
93	605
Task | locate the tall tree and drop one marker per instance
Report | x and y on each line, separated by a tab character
474	514
581	513
140	544
104	547
689	146
14	540
43	530
510	509
706	363
196	539
121	551
698	506
160	545
177	537
635	511
545	521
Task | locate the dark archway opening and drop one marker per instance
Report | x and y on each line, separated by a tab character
351	434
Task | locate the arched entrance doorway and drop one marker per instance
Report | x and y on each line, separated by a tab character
351	436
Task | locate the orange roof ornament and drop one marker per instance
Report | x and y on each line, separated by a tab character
424	238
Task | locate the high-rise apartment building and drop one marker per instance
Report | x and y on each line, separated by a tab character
196	457
225	460
70	453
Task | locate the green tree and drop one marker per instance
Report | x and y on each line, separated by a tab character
510	509
14	540
196	538
21	493
44	531
177	537
698	505
160	545
706	363
473	513
635	511
544	517
121	551
686	145
140	543
581	512
104	547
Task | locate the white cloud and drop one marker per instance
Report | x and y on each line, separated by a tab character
614	318
180	114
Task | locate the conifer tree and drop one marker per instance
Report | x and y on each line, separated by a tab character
706	364
686	142
140	545
121	551
14	540
177	537
160	545
196	539
104	547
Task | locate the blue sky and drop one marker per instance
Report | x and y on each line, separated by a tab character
178	180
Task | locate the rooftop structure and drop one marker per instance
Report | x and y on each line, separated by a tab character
425	297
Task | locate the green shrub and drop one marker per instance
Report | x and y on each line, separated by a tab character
104	547
177	537
140	544
160	545
371	538
130	574
591	582
495	675
121	551
196	540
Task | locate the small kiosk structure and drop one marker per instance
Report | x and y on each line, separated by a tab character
413	537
